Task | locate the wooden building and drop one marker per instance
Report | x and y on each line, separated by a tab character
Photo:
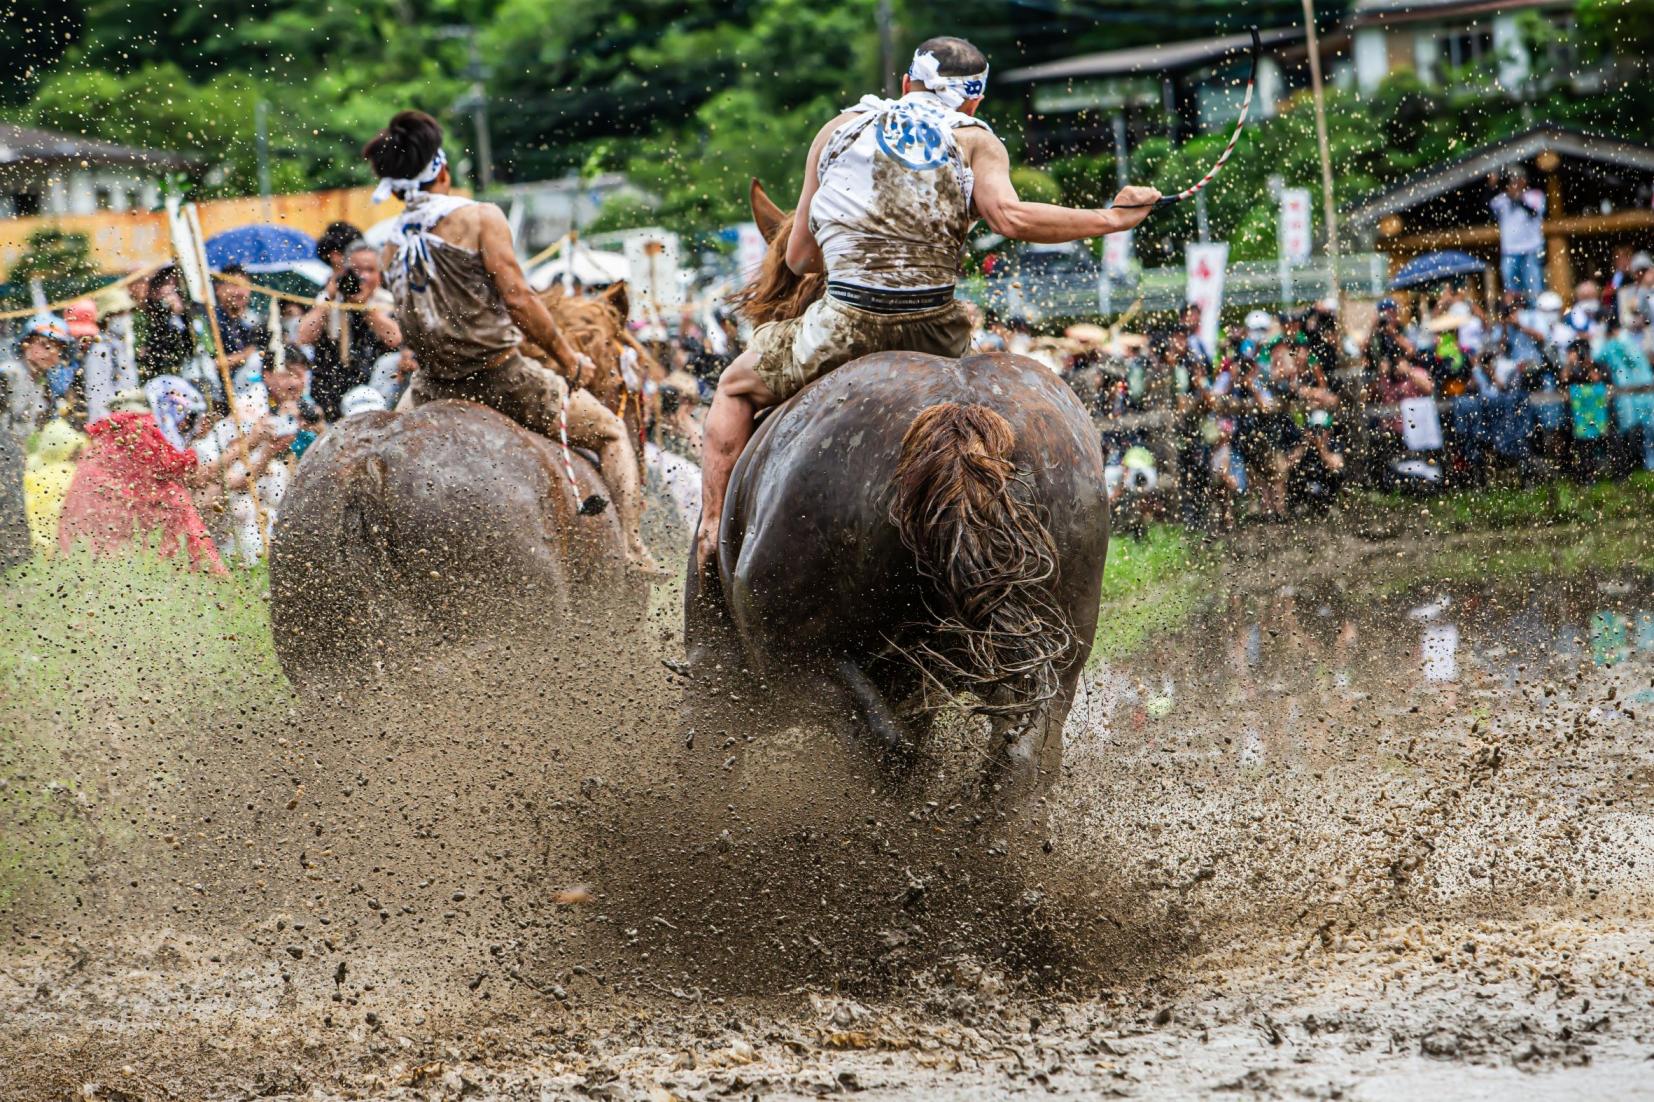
1598	195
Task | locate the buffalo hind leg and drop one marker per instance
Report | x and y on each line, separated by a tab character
891	737
1023	762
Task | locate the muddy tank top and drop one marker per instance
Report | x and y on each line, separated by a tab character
449	310
894	202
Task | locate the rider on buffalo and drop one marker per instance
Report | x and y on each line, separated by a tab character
891	189
464	306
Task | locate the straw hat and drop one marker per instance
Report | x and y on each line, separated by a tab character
1443	323
113	300
1086	333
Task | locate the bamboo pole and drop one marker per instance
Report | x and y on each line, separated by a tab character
211	297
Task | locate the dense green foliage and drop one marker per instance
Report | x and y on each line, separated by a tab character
692	97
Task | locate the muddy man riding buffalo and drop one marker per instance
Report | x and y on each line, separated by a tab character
906	528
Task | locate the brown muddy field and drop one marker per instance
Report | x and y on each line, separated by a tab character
1356	830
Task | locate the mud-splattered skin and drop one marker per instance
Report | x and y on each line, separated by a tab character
447	519
814	569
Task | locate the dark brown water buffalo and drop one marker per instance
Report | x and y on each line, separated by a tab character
448	523
906	528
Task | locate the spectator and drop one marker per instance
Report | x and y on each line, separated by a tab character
348	342
1269	441
14	516
1521	214
678	430
1260	326
249	447
46	479
243	340
109	365
25	401
1580	322
1628	366
1587	409
166	334
131	487
391	373
1388	342
335	241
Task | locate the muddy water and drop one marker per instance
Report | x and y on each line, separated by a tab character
1329	841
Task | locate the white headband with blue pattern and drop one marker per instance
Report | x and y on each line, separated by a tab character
953	91
402	188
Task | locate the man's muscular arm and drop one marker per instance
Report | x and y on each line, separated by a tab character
803	253
499	260
1042	223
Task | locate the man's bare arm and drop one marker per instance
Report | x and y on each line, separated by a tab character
803	252
1043	223
499	260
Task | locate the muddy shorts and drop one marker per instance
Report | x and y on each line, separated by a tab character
526	391
796	352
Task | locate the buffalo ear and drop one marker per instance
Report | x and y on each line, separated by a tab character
618	297
764	212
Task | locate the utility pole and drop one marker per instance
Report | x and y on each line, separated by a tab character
1329	207
887	51
261	130
475	100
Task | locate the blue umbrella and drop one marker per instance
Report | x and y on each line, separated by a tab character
1432	267
260	248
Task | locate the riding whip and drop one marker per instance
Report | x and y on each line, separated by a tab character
1240	125
596	503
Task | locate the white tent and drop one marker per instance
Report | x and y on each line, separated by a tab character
591	268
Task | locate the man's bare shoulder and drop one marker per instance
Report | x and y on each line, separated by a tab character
839	120
465	226
977	139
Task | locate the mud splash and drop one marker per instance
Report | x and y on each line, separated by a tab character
1326	842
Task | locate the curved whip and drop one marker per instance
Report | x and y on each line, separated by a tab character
1240	125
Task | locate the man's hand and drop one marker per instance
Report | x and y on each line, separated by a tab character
1135	204
583	371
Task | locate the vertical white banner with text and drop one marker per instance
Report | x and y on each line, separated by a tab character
1206	263
1296	231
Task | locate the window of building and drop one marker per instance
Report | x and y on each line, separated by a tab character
25	204
103	197
1466	46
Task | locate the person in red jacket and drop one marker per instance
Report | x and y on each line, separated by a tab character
133	482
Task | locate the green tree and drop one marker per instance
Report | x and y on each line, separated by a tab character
52	254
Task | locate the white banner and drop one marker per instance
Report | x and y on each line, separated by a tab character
750	248
1421	425
1296	229
1117	255
653	286
1206	265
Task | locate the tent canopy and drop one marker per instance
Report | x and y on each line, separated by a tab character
592	268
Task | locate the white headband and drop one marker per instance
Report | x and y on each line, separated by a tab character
401	188
953	91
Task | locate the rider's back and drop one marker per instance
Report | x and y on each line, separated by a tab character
894	203
451	313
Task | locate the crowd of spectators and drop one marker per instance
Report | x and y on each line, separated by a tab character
118	401
116	425
1447	391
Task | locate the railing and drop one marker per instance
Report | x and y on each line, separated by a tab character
1247	283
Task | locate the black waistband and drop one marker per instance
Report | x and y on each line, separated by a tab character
877	300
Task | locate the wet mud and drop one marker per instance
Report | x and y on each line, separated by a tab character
1374	833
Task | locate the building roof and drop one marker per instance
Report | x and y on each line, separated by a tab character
26	144
1368	12
1160	58
1423	186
